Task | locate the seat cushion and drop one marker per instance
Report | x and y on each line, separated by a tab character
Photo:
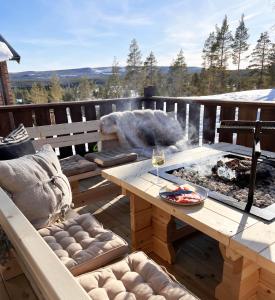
111	158
82	243
75	164
135	277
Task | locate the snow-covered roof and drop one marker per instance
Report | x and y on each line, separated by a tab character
7	52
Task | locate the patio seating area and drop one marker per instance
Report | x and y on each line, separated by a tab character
211	250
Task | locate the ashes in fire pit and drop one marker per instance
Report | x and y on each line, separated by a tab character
230	176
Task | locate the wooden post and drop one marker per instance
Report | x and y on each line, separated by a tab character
240	277
149	91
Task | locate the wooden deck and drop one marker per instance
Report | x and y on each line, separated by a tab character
198	260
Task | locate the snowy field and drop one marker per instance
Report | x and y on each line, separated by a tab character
251	95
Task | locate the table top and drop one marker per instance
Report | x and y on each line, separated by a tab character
239	231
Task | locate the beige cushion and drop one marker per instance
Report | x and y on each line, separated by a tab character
37	186
75	164
82	243
111	158
135	277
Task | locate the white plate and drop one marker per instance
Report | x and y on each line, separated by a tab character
197	189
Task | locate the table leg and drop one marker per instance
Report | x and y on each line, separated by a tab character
150	229
240	277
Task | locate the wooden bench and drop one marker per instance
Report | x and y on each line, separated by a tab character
49	278
73	134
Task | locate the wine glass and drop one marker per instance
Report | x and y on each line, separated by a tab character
158	159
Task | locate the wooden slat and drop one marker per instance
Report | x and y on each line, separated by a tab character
90	114
105	109
61	118
181	114
149	104
227	113
25	118
51	277
194	123
170	106
123	105
267	142
77	139
42	116
59	129
76	116
249	114
209	123
159	104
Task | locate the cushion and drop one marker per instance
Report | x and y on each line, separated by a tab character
75	164
135	277
111	158
37	186
83	244
16	144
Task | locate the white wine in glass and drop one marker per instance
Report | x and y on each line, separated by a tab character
158	159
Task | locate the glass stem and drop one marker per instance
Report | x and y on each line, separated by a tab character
157	175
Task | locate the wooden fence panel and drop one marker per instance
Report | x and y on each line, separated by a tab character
227	113
123	105
105	108
248	113
194	123
267	141
209	123
60	114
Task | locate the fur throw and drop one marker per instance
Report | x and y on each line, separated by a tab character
142	130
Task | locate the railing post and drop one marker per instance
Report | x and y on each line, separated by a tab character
149	91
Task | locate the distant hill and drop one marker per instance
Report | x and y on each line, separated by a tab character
70	75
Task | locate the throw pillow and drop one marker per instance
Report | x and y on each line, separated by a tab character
16	144
37	186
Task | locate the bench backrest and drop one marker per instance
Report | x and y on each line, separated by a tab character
68	134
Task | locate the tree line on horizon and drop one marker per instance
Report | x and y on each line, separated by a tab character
215	77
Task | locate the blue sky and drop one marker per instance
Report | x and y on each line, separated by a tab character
62	34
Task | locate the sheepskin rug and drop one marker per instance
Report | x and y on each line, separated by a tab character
141	130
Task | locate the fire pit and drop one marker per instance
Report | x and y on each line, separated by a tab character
227	178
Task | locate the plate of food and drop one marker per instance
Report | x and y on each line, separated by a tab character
185	194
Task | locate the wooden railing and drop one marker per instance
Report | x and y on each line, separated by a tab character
198	117
63	112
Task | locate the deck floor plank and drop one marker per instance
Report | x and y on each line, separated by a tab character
18	288
3	292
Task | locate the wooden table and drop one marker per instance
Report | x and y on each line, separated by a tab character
246	243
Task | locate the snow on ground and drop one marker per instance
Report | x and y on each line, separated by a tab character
251	95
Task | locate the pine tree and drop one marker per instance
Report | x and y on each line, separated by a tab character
210	58
239	45
114	84
224	41
150	70
84	89
260	58
38	94
178	76
134	76
56	92
271	67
